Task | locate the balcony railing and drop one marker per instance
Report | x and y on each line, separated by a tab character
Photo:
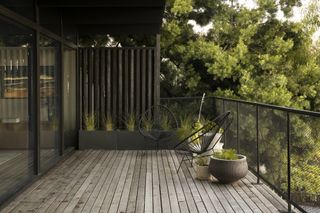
282	144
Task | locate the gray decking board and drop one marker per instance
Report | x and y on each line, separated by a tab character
138	181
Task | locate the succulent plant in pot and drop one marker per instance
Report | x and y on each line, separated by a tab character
227	166
202	170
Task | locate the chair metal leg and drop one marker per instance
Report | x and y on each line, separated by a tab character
181	163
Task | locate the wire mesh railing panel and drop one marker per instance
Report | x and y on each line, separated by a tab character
230	137
273	158
305	161
247	133
183	108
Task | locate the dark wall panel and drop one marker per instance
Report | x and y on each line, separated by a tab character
117	82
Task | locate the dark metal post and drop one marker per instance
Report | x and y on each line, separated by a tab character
35	95
78	93
289	161
257	145
224	132
61	86
238	141
157	71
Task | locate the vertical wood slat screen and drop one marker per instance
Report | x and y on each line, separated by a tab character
116	82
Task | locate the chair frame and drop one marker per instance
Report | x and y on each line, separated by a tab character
221	119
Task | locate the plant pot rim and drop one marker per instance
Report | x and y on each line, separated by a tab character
241	158
203	166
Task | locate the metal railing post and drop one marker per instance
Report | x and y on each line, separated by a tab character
224	132
238	144
288	162
257	144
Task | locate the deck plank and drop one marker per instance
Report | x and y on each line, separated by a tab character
138	181
177	184
134	185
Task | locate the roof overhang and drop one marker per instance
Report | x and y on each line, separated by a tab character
106	16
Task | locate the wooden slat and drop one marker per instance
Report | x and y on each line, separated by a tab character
104	192
140	203
148	195
143	81
137	83
157	63
107	202
184	183
155	184
99	186
149	80
92	188
171	187
120	89
108	83
177	184
90	81
126	82
114	73
123	202
131	91
102	88
96	81
84	82
135	184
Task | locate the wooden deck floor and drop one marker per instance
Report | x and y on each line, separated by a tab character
137	181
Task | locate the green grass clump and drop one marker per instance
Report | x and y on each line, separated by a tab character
185	128
165	122
108	124
227	154
147	124
89	122
130	122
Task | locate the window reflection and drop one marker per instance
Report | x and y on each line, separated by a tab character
16	155
49	102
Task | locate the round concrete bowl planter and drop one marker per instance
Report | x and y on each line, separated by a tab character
228	171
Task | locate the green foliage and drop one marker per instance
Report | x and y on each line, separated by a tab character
202	161
108	123
89	122
227	154
165	122
185	127
147	124
130	122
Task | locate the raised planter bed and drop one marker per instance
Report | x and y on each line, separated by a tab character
120	140
97	139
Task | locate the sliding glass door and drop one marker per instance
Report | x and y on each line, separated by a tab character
49	102
16	145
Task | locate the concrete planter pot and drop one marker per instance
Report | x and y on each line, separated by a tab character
202	172
97	139
228	171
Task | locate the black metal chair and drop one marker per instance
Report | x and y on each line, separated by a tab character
199	141
158	124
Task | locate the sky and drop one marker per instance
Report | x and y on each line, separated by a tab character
297	11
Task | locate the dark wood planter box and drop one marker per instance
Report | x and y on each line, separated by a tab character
121	140
132	140
97	139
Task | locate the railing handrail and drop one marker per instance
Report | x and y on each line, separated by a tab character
283	108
